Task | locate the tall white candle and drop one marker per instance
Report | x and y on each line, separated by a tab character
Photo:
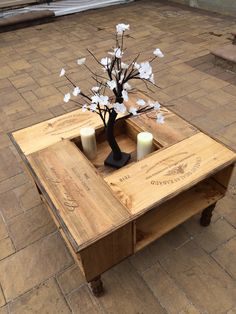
144	144
88	142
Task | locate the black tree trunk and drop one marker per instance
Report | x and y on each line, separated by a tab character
117	155
116	158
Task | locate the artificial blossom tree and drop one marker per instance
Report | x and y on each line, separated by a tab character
110	94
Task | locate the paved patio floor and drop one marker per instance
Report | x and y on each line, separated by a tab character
191	269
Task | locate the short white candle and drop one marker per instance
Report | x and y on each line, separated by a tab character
88	142
144	144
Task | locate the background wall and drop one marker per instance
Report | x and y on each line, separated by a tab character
221	6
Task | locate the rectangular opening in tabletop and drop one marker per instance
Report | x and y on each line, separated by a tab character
126	137
170	214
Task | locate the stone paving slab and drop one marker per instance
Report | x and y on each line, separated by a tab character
225	256
2	299
130	291
30	226
70	279
217	234
191	270
199	276
47	298
3	310
33	265
6	248
160	282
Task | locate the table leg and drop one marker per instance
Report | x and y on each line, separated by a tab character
206	215
96	286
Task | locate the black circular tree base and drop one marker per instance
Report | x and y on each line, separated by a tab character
110	161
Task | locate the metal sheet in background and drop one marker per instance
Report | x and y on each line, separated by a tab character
65	7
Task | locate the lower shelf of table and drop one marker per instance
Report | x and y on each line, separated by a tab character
170	214
137	234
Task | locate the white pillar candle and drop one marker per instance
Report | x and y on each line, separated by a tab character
144	144
88	142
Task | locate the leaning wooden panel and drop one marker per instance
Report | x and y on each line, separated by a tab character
78	195
107	252
166	173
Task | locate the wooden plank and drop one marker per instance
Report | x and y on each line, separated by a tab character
44	134
167	216
126	138
77	193
224	176
107	252
174	130
67	126
69	246
166	173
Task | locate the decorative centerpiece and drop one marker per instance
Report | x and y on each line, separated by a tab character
109	97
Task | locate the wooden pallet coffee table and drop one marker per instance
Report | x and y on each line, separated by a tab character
106	215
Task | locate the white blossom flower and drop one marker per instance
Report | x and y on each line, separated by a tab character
121	78
76	91
117	53
115	72
136	65
103	100
127	86
124	65
145	70
66	97
95	99
111	84
95	89
119	107
105	61
84	108
81	61
63	72
125	95
151	79
160	118
157	52
133	110
141	102
155	105
93	107
120	28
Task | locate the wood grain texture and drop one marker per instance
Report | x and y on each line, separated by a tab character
224	176
44	134
80	196
67	126
107	252
172	131
167	216
64	236
166	173
125	143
